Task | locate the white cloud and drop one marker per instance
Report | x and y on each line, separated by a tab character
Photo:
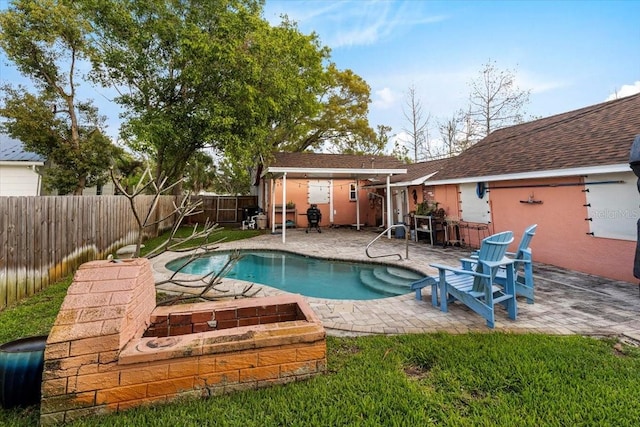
625	90
385	99
353	23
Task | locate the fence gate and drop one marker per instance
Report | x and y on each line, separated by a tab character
227	209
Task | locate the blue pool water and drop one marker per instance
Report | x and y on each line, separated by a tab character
314	277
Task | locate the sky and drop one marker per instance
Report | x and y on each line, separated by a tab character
569	54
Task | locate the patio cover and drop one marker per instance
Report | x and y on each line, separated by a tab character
366	171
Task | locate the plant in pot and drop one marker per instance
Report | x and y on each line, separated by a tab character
426	208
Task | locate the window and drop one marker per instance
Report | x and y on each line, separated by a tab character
352	192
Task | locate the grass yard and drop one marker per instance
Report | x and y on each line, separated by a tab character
484	379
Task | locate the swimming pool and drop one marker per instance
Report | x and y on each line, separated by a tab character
310	276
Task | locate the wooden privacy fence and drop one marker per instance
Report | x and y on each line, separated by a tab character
44	238
223	209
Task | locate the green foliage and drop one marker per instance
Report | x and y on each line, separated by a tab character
46	40
180	70
200	172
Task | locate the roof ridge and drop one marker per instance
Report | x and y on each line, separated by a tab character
566	117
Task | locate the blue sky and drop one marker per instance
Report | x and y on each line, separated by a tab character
570	54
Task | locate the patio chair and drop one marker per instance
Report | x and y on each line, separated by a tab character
476	287
522	265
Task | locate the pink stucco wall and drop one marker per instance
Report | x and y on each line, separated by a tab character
561	238
344	209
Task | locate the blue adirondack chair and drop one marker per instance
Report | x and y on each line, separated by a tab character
522	265
476	288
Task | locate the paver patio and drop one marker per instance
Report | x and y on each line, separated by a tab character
567	302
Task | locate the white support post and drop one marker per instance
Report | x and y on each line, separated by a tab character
273	206
284	208
357	205
389	218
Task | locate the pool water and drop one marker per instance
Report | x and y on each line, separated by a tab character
314	277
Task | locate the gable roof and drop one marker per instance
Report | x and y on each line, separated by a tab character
316	165
597	137
12	150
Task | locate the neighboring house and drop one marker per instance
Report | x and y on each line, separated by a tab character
18	169
569	173
333	182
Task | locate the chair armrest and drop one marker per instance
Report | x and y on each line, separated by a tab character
458	270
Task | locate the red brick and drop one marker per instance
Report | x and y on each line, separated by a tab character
288	317
225	315
269	319
226	324
287	308
158	332
249	321
180	319
247	312
259	374
202	316
180	330
157	319
202	327
267	309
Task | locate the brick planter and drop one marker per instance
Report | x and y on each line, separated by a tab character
111	348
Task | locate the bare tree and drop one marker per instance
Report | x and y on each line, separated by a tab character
495	100
418	129
457	133
199	243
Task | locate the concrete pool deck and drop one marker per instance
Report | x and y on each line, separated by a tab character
566	302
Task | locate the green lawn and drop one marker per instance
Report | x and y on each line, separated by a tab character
486	379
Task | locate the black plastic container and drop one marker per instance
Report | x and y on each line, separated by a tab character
21	364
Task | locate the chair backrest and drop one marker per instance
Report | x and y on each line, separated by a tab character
529	232
492	249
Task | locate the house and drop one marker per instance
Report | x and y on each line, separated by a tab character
18	169
569	173
333	182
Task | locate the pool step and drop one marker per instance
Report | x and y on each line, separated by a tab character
395	276
384	281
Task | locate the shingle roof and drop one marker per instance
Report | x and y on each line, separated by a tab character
11	150
416	171
597	135
331	161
